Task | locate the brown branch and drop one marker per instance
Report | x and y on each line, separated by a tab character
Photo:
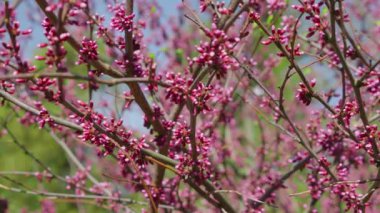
362	113
337	183
60	75
280	181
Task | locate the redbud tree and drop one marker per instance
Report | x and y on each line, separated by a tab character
224	106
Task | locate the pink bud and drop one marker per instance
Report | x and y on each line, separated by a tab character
51	8
64	36
40	58
26	32
313	82
42	45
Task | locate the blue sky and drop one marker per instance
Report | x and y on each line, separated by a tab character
26	13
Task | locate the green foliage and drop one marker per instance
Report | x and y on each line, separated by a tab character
13	158
44	148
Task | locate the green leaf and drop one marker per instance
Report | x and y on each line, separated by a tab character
153	9
269	19
325	11
152	56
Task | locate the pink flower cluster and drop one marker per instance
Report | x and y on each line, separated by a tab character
303	93
88	52
216	52
121	21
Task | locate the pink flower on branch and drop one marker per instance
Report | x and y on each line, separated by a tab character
303	93
88	52
121	21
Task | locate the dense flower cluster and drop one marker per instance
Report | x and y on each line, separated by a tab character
43	84
135	146
366	137
278	35
372	83
122	21
303	93
88	52
347	192
216	52
55	49
181	135
201	96
8	87
350	109
312	9
178	89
